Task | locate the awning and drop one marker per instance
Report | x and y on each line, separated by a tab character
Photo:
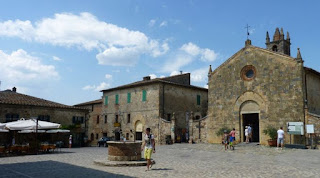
30	124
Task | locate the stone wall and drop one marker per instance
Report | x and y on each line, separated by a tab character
277	89
199	130
181	79
182	101
146	112
313	92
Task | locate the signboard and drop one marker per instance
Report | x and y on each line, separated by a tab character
310	128
295	128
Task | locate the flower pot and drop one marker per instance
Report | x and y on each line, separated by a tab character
272	143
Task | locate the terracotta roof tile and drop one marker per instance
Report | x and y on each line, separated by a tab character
11	97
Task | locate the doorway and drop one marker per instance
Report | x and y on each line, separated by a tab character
117	136
252	120
138	135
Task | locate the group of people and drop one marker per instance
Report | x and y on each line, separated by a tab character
229	138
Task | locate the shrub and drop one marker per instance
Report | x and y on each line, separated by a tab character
271	132
220	132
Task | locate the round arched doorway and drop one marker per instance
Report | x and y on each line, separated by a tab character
138	130
249	112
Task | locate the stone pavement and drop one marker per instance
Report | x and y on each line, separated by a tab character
178	160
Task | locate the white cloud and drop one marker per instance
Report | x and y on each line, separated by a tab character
152	22
153	76
189	52
191	49
163	24
56	58
174	73
101	86
20	67
86	31
194	50
206	86
200	75
108	76
89	87
177	63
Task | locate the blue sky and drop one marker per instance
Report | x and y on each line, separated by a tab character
67	51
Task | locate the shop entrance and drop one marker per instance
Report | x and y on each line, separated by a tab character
251	119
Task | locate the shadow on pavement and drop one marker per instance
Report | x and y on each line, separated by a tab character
50	169
161	169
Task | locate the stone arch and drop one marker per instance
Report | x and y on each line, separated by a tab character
249	102
138	128
249	106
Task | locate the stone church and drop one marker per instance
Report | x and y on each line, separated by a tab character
263	87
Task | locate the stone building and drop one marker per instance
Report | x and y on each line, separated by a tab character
14	105
262	87
96	124
164	104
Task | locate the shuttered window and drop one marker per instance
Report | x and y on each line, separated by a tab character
144	95
198	100
117	99
129	98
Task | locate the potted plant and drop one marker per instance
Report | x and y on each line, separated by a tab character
272	133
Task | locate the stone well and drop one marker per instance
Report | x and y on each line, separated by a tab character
124	151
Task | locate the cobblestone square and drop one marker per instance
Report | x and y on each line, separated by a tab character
178	160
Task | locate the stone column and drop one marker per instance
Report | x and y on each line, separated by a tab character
191	128
173	128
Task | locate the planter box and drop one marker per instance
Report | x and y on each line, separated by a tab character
272	143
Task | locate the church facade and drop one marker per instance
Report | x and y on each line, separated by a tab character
262	87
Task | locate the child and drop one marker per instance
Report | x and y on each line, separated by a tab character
232	138
225	139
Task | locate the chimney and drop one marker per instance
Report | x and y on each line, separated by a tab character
146	78
14	89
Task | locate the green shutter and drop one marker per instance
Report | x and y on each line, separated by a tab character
117	99
144	95
106	100
129	98
198	99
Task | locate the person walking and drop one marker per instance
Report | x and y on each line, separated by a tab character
280	139
250	133
232	135
225	139
70	141
246	133
149	147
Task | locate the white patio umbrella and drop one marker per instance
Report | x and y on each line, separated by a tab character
31	131
2	125
58	131
3	130
30	124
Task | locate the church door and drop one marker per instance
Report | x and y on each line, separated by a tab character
252	119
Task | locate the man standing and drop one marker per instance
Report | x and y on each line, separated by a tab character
149	147
280	139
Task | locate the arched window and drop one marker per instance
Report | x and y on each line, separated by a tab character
92	136
197	117
97	136
275	48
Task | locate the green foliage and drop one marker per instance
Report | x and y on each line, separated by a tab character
220	132
271	132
